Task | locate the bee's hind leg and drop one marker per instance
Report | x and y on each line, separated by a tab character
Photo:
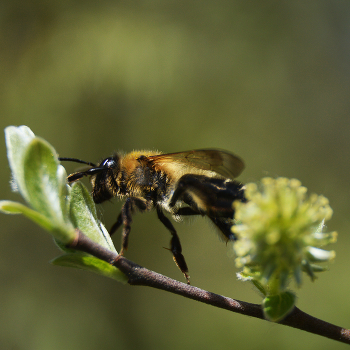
225	226
175	245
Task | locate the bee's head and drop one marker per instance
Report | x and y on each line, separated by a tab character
103	177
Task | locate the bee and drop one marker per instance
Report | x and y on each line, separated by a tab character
197	182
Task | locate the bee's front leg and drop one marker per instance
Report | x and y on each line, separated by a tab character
116	225
125	218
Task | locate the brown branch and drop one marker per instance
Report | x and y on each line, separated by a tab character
140	276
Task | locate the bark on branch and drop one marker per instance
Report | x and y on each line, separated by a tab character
140	276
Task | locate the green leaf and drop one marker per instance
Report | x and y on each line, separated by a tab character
55	206
9	207
41	181
45	187
36	170
17	139
277	307
63	234
90	263
40	175
84	216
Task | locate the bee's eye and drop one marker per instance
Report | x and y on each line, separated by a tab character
108	163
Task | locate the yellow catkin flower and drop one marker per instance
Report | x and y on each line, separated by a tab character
280	234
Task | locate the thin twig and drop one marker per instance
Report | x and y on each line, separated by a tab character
140	276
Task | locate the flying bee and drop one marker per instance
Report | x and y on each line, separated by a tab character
197	182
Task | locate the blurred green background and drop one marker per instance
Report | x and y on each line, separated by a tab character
268	80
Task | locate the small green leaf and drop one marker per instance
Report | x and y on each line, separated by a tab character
45	189
277	307
17	139
83	216
90	263
9	207
64	234
40	175
41	181
63	191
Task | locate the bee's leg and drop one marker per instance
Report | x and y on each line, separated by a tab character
185	182
224	225
186	211
116	225
215	193
175	245
126	218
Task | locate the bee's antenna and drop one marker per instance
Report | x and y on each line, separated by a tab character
76	160
89	172
76	176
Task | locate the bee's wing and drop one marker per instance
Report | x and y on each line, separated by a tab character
220	162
